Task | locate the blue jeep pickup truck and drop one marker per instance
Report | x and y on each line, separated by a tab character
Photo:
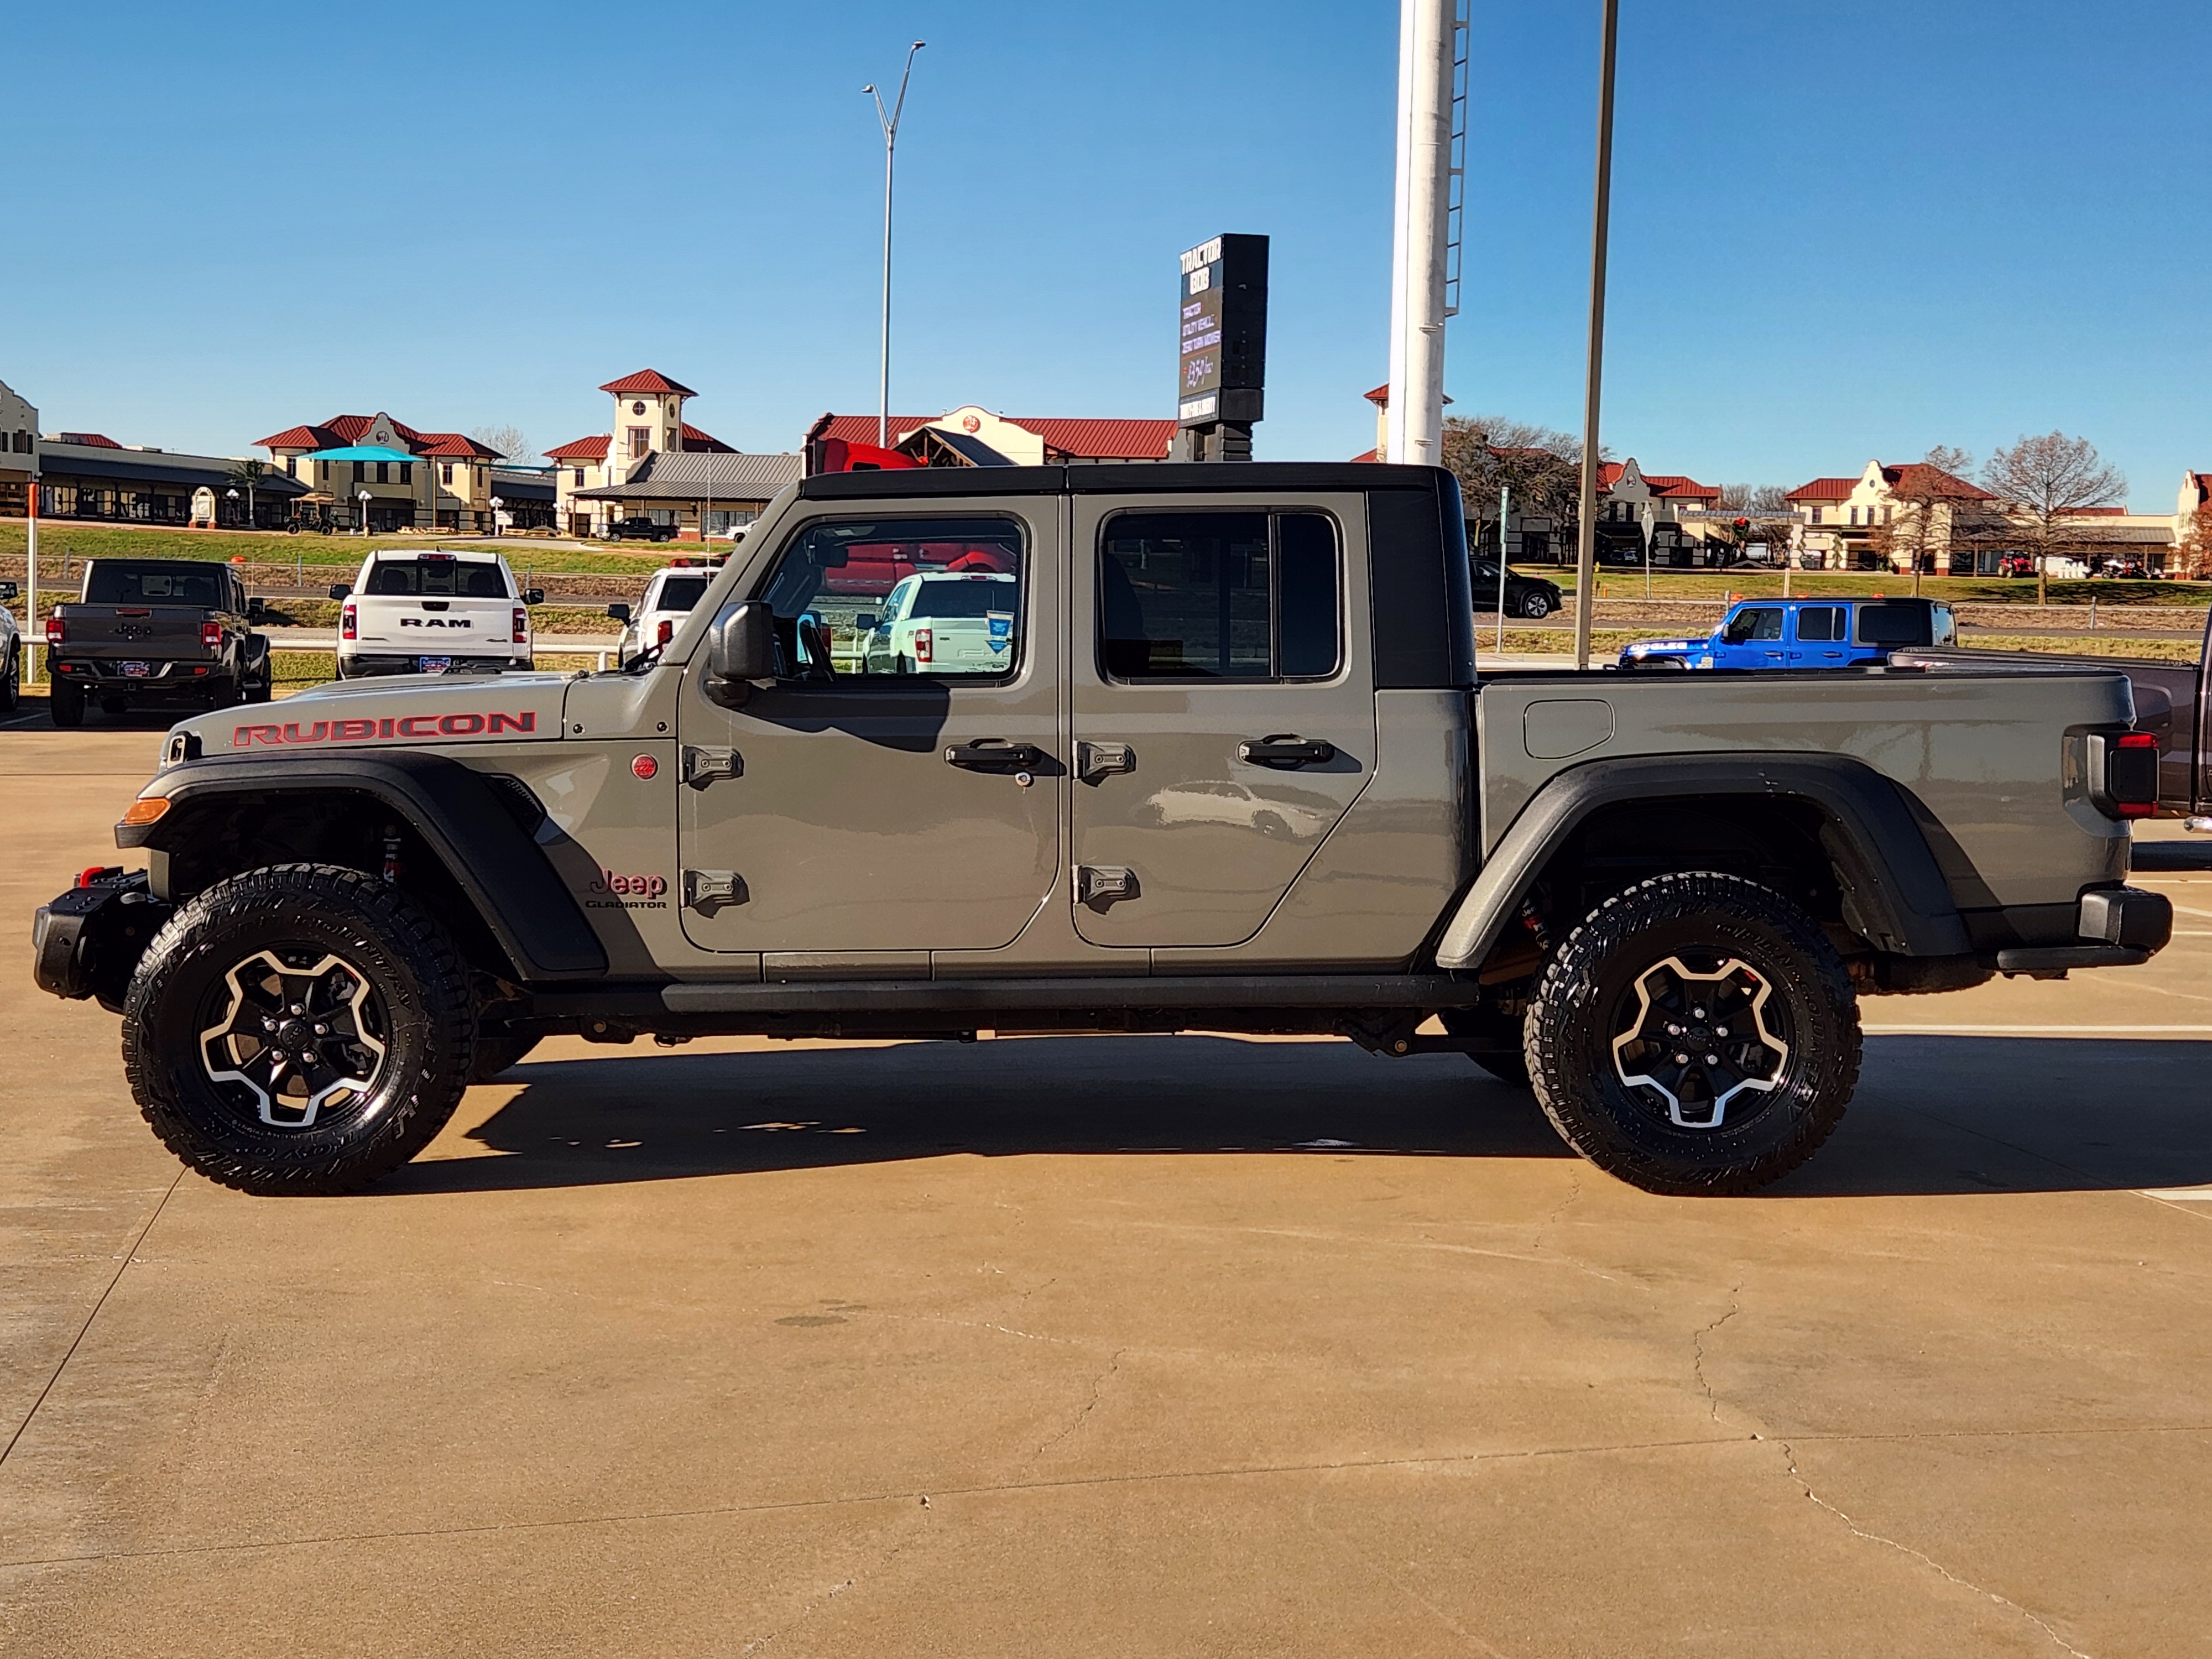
1803	634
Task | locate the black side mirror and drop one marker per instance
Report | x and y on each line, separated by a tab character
619	612
864	623
740	651
533	596
340	590
256	609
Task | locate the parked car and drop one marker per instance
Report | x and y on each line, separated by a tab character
940	622
641	530
1199	791
11	650
155	633
432	613
668	598
1531	597
1817	633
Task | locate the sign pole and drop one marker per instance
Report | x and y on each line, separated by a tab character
31	629
1586	555
1504	507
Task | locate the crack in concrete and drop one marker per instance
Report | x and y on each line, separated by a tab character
1804	1486
1697	1350
1098	1383
810	1609
1346	1545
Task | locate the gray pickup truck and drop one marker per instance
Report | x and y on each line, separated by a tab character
1229	765
155	633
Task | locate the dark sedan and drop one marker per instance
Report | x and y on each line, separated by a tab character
1525	596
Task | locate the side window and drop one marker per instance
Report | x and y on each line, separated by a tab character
1944	631
1756	623
961	579
1820	623
1219	595
1893	624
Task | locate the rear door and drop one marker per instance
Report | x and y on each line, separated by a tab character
1223	717
1820	636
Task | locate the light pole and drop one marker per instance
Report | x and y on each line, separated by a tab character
362	497
891	125
233	496
1647	517
497	502
1586	555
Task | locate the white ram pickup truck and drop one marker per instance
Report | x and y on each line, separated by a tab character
433	613
942	622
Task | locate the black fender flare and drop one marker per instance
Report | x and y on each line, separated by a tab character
502	870
1891	879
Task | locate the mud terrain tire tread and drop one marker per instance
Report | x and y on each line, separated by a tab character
1569	1052
426	991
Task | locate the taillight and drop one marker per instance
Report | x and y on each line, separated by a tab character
210	636
924	644
2124	773
667	632
521	626
55	631
347	629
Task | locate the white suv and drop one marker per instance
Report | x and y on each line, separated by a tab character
668	598
432	613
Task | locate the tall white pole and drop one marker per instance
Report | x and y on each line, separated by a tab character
32	631
1586	553
890	124
1419	232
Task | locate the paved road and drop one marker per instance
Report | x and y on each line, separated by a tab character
1191	1346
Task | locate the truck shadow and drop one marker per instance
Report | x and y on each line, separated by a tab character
1933	1115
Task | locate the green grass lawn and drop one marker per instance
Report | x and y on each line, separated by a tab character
1956	589
59	539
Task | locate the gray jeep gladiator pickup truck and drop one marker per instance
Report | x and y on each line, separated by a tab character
1218	757
158	633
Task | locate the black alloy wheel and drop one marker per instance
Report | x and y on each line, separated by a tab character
298	1029
1536	604
1696	1034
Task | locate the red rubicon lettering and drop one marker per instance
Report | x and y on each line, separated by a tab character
360	730
461	725
385	730
247	735
320	730
419	725
526	721
352	731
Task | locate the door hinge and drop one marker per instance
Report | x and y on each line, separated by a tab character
702	766
1094	761
708	890
1101	884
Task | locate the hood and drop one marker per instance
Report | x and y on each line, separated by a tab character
406	711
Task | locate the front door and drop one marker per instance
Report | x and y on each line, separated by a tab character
1752	638
872	803
1223	721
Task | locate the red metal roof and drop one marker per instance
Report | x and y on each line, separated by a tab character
593	448
1823	490
1915	478
703	443
456	445
646	379
88	440
1075	437
302	437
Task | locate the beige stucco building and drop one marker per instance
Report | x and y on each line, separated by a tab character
426	481
648	420
19	452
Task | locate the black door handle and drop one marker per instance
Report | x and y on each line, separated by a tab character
1287	749
990	754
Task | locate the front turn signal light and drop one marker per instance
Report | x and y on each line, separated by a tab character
147	810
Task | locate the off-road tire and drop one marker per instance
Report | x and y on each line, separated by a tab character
11	680
410	966
499	1051
64	704
1587	997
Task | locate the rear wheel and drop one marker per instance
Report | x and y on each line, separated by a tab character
65	704
1537	605
11	678
1696	1034
298	1029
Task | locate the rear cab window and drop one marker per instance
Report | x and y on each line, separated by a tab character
434	578
680	592
124	584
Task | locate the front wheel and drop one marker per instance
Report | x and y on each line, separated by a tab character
1537	605
298	1029
1696	1034
11	680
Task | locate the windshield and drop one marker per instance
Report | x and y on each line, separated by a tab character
976	596
153	584
437	579
680	593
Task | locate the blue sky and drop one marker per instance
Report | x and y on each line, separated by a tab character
1839	231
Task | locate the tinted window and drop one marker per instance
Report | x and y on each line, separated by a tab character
124	584
1944	631
1893	624
836	570
436	579
1226	595
1818	622
1759	622
681	592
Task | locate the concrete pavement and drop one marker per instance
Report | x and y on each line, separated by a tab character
1124	1346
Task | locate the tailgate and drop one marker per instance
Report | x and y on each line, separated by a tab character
152	633
443	628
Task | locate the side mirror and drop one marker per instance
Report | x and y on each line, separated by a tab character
864	623
619	612
340	590
256	609
740	650
533	596
9	592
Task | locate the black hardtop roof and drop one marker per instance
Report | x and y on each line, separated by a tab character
112	563
1838	599
1117	478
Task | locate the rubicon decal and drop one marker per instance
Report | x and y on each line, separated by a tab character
417	727
644	892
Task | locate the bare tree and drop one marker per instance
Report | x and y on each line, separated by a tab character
2044	483
2193	555
1489	452
508	441
1933	513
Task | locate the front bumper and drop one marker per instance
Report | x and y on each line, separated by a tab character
86	942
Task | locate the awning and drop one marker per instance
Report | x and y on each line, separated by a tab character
362	452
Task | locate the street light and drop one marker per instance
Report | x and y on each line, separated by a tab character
497	503
891	125
233	494
362	497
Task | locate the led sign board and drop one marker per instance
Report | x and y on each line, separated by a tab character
1221	322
